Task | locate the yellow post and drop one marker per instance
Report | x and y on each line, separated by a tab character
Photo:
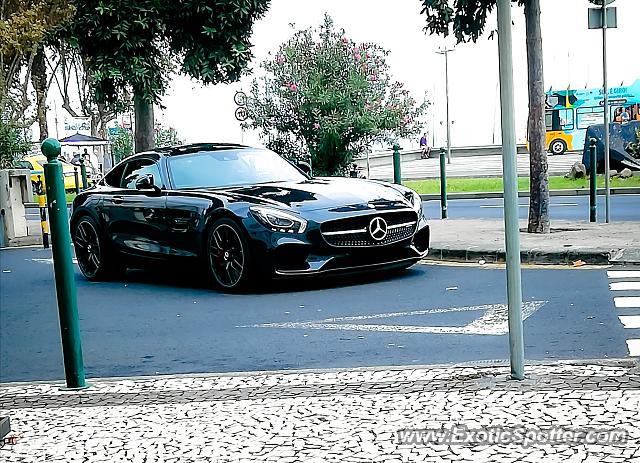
42	204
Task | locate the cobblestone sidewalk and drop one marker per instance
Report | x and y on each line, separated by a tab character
336	416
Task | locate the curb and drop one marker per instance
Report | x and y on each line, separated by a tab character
630	362
528	256
525	194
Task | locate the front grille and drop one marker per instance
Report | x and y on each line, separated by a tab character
354	231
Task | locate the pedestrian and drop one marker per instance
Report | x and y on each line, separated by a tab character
425	150
624	115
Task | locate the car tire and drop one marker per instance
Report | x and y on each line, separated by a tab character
96	261
229	259
558	147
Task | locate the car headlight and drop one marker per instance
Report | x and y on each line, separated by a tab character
415	200
277	220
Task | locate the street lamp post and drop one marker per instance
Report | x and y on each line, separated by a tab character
599	20
445	52
510	175
607	186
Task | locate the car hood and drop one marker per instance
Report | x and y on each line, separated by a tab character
336	194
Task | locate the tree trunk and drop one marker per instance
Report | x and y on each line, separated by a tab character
536	130
144	125
39	82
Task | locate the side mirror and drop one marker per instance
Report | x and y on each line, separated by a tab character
146	183
305	167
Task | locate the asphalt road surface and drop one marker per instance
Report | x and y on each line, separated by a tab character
163	322
623	208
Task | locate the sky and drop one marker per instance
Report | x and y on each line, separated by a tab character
572	57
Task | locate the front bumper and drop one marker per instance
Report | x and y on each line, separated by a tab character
287	255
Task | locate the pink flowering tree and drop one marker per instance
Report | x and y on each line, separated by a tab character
325	96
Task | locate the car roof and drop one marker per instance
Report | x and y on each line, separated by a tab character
194	147
41	159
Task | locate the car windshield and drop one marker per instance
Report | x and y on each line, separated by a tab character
224	168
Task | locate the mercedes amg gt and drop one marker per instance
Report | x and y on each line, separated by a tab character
240	212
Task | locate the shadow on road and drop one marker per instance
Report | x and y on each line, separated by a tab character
189	278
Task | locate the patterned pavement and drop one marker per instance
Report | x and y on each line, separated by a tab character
369	415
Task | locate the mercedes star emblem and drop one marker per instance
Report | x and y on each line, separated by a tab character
378	228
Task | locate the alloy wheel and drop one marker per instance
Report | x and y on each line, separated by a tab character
87	245
226	256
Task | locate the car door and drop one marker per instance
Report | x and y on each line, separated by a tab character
135	218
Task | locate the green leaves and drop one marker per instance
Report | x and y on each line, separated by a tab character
326	96
134	45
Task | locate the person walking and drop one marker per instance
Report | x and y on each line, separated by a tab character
425	151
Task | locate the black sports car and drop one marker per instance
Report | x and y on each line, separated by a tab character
242	211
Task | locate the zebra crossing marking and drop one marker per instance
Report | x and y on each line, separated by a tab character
624	286
627	302
629	322
634	347
623	274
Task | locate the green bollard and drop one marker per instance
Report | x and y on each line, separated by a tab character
63	267
83	170
77	180
443	184
593	192
397	174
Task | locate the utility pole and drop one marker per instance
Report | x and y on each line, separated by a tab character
510	175
445	52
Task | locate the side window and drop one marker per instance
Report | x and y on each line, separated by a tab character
114	176
138	168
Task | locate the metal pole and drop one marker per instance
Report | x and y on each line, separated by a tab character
368	167
443	185
83	171
77	180
63	267
510	175
446	77
607	187
593	192
397	174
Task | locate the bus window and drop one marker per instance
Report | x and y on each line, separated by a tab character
586	117
566	119
552	120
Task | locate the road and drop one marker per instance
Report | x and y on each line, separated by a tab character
150	323
623	208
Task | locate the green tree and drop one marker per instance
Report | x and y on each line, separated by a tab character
25	27
13	146
122	140
326	96
468	19
133	45
121	143
166	136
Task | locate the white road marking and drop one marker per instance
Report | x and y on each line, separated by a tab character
623	273
634	347
50	260
494	321
630	321
624	285
627	302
